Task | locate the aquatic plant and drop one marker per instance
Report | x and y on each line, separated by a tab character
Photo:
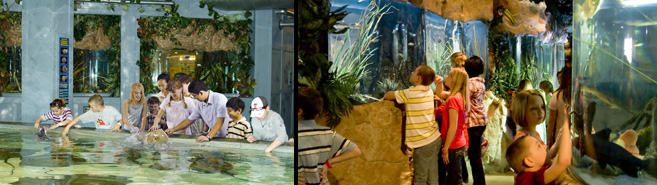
440	54
316	21
352	57
529	69
504	79
384	85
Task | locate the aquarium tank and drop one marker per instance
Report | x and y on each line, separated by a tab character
615	90
398	40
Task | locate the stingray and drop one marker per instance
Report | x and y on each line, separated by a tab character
208	163
42	136
604	151
153	137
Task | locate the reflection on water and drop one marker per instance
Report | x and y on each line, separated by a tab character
99	157
78	179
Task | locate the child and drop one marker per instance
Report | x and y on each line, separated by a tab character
58	112
453	129
458	59
162	82
105	117
153	109
211	108
527	156
558	105
133	108
421	129
528	112
238	127
197	127
318	146
477	118
177	108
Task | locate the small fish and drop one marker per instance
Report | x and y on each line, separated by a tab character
411	44
356	24
374	40
411	34
638	45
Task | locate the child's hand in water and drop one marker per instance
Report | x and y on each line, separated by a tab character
169	131
54	126
250	139
154	127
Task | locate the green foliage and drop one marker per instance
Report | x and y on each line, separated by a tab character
8	20
529	70
504	80
237	25
315	22
112	29
385	85
352	57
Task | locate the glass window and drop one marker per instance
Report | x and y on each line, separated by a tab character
13	70
211	67
91	71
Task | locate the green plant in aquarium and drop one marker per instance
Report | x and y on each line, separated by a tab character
385	85
440	54
352	57
504	80
316	20
528	69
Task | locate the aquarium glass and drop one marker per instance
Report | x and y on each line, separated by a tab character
615	77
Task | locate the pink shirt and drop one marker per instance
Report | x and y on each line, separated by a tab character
477	114
454	102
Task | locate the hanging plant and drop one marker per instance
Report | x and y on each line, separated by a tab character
237	26
315	21
8	20
111	26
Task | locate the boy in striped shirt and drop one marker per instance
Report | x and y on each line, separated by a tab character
238	127
319	147
422	134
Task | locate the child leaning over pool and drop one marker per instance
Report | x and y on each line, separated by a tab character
153	109
58	112
238	127
105	117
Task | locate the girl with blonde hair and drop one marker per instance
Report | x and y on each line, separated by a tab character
134	110
453	130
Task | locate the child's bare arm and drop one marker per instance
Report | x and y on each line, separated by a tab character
390	95
76	120
440	91
451	132
565	153
346	156
36	123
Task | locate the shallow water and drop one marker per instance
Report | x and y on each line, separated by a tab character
102	157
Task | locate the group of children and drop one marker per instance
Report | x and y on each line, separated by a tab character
439	148
459	110
172	110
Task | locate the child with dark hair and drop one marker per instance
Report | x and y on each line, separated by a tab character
238	127
476	119
58	112
558	105
319	146
162	82
211	108
153	109
422	134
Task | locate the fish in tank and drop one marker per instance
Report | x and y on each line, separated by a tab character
615	90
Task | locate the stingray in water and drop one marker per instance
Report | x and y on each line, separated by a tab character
604	151
208	163
42	136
